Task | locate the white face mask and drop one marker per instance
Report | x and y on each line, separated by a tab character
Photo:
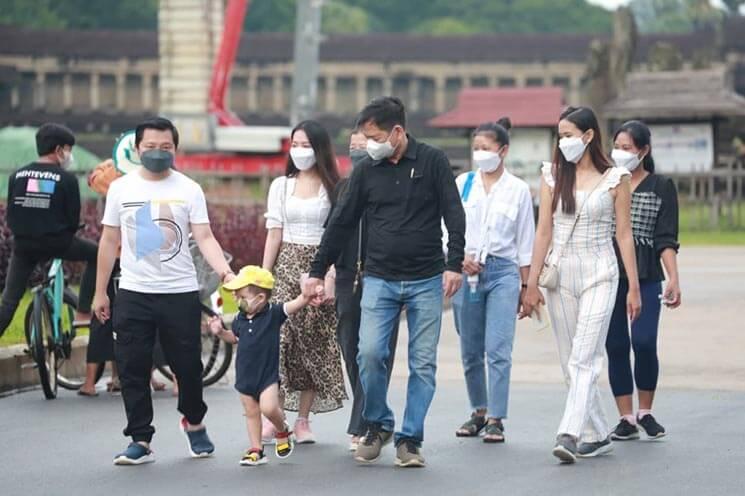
486	160
303	158
572	147
379	151
67	161
625	159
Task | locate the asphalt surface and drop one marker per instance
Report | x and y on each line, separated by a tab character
67	445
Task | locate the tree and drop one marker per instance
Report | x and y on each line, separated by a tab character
338	17
38	14
734	7
669	16
444	26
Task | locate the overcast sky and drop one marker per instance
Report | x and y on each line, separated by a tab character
609	4
612	4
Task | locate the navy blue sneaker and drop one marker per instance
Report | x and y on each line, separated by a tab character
200	445
135	454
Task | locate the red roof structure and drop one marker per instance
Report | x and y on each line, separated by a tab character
526	107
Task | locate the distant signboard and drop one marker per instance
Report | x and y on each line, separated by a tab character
683	148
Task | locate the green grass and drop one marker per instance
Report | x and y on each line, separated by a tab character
15	333
712	238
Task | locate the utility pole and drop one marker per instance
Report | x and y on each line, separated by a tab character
306	60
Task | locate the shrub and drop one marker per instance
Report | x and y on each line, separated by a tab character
238	228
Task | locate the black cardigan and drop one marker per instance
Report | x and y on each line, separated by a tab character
654	222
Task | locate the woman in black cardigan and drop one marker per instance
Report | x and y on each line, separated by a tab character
654	219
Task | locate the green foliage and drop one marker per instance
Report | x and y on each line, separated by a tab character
674	16
80	14
443	26
734	6
339	16
37	14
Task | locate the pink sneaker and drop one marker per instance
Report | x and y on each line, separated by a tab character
303	434
268	432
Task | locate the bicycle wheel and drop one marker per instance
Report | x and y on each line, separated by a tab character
40	338
70	304
216	354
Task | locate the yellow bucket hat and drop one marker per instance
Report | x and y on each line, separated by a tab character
251	275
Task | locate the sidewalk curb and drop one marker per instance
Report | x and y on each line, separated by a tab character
18	373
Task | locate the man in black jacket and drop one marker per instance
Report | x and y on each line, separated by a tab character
404	189
349	267
43	215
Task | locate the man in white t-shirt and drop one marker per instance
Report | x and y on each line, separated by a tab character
151	212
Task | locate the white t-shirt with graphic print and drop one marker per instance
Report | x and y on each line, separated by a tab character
155	218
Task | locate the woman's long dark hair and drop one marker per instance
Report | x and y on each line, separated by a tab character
325	159
565	172
641	136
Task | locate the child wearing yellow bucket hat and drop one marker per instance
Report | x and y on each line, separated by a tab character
255	329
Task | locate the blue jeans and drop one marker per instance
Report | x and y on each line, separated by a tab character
382	301
486	326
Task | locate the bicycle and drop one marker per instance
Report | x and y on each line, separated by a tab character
50	331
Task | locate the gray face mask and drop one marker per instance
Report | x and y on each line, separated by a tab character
357	156
157	160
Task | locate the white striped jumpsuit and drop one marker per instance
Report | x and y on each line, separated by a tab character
581	306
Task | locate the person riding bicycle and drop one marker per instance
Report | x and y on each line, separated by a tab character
44	215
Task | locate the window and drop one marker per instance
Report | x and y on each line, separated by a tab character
81	92
346	96
239	94
427	95
452	88
533	82
480	82
560	81
107	92
506	82
54	93
133	93
265	94
374	88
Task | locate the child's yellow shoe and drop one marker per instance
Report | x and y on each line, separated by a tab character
254	457
285	444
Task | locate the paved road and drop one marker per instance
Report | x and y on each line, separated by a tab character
67	445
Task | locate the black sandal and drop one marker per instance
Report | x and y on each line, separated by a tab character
496	431
472	426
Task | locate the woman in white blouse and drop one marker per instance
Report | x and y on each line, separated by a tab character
298	204
499	243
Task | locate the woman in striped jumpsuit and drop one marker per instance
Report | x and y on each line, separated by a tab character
581	181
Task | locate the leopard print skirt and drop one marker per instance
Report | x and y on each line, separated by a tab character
309	356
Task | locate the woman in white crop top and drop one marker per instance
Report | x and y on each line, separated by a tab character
297	207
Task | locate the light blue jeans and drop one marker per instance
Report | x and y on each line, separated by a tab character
382	301
486	326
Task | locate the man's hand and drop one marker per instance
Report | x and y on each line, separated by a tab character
313	287
451	282
102	307
215	324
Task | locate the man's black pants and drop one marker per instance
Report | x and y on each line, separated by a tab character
27	255
177	318
348	313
